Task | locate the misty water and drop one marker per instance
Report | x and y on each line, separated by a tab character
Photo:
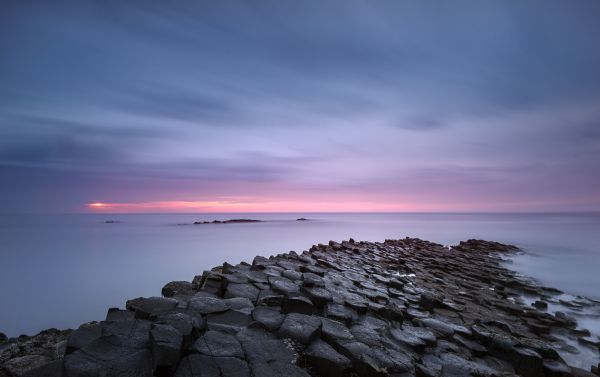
63	270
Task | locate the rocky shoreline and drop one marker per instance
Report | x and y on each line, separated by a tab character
403	307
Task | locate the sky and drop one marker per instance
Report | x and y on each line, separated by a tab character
338	105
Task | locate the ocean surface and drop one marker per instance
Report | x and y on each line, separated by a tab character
63	270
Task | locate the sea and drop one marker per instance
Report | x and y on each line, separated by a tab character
62	270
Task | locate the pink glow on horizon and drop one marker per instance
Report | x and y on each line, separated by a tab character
178	206
233	205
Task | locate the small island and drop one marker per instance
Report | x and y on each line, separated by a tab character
230	221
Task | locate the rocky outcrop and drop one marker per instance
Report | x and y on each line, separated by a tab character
231	221
398	308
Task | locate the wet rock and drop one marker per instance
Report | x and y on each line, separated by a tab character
320	296
431	300
165	342
409	339
553	368
300	327
116	314
269	298
283	285
248	291
52	369
21	365
228	321
83	336
542	305
178	288
325	360
339	312
206	305
145	307
527	362
196	365
268	317
218	344
297	304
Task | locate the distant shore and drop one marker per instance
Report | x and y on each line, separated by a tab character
400	307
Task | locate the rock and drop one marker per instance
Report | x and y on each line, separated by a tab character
553	368
301	219
165	342
542	305
300	327
196	365
178	288
83	336
409	339
527	362
422	333
297	304
21	365
228	321
325	360
107	357
283	285
144	307
207	305
218	344
441	329
51	369
116	314
3	337
339	312
268	317
431	300
320	296
269	298
248	291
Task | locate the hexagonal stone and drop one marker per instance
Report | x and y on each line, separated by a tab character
301	327
297	304
144	307
218	344
165	343
83	336
325	360
228	321
196	365
268	317
248	291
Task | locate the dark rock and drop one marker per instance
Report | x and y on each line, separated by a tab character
540	305
320	296
409	339
339	312
268	317
292	275
51	369
527	362
325	360
116	314
301	219
178	288
83	336
165	342
206	305
228	321
301	327
553	368
196	365
431	300
19	366
248	291
3	337
269	298
144	307
297	304
218	344
283	285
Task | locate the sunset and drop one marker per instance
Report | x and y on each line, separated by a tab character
302	188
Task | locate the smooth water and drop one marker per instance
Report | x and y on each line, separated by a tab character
62	270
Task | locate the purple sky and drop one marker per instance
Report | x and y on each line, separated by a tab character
305	106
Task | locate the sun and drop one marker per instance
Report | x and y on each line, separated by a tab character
96	205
